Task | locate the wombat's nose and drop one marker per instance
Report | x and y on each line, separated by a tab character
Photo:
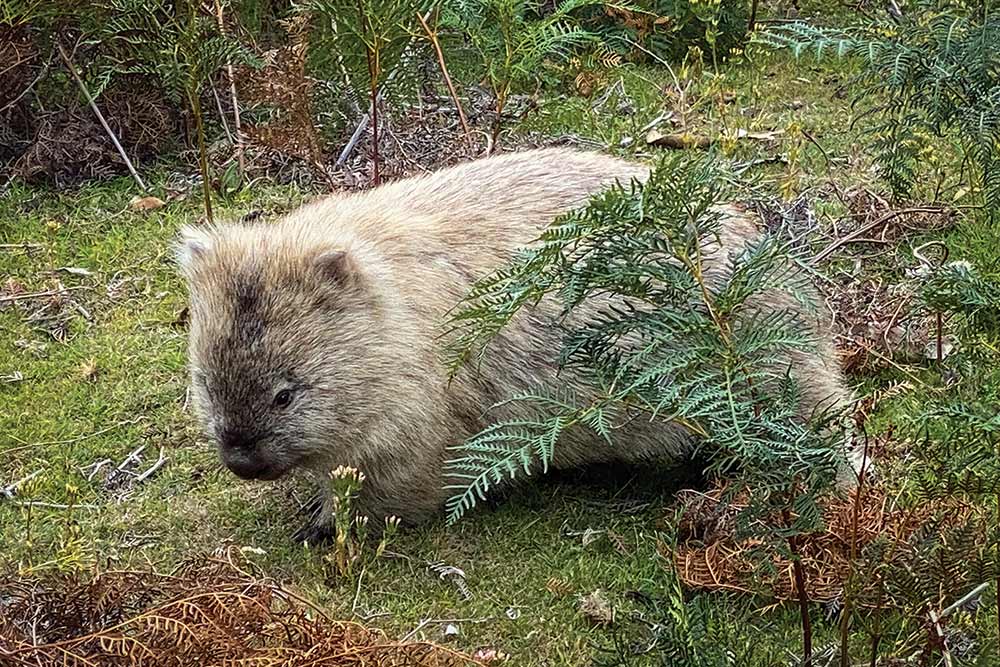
237	439
244	467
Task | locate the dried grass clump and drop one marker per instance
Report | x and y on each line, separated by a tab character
208	612
69	146
710	557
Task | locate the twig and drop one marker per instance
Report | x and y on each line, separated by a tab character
964	600
10	490
142	477
363	123
38	295
91	470
232	93
357	593
55	506
886	359
356	137
31	85
861	231
222	115
432	35
815	143
133	457
20	246
100	117
936	621
71	441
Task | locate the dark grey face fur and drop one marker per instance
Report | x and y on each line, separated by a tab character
273	352
251	392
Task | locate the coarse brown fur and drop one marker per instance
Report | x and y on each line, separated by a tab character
316	341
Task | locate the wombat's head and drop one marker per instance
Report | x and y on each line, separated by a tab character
281	332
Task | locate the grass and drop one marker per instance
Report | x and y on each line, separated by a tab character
116	381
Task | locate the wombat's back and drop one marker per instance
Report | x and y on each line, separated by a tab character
474	214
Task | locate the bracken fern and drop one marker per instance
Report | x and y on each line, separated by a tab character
672	343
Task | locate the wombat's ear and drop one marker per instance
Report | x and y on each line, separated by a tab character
338	266
192	246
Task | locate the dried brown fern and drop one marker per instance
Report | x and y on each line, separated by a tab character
710	556
283	85
208	612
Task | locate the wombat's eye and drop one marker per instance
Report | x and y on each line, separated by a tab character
282	399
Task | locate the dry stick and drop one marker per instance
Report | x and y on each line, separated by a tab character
30	86
752	23
432	35
10	490
845	618
222	115
946	652
20	246
964	600
142	477
803	595
232	93
353	141
376	176
195	101
100	117
800	585
363	123
938	316
833	247
55	506
37	295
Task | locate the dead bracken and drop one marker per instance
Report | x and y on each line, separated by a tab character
711	555
209	611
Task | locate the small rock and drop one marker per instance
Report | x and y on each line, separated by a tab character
451	631
146	203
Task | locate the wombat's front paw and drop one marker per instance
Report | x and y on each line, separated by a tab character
314	534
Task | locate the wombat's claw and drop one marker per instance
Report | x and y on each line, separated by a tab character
314	534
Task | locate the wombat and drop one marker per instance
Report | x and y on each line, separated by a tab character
316	341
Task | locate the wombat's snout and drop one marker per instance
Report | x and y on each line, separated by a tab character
240	453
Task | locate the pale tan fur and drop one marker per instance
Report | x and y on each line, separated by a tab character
364	329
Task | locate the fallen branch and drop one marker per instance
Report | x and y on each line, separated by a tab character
964	600
861	231
427	621
143	476
41	74
100	117
131	458
358	131
20	246
55	506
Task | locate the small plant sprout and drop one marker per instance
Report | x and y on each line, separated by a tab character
352	529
